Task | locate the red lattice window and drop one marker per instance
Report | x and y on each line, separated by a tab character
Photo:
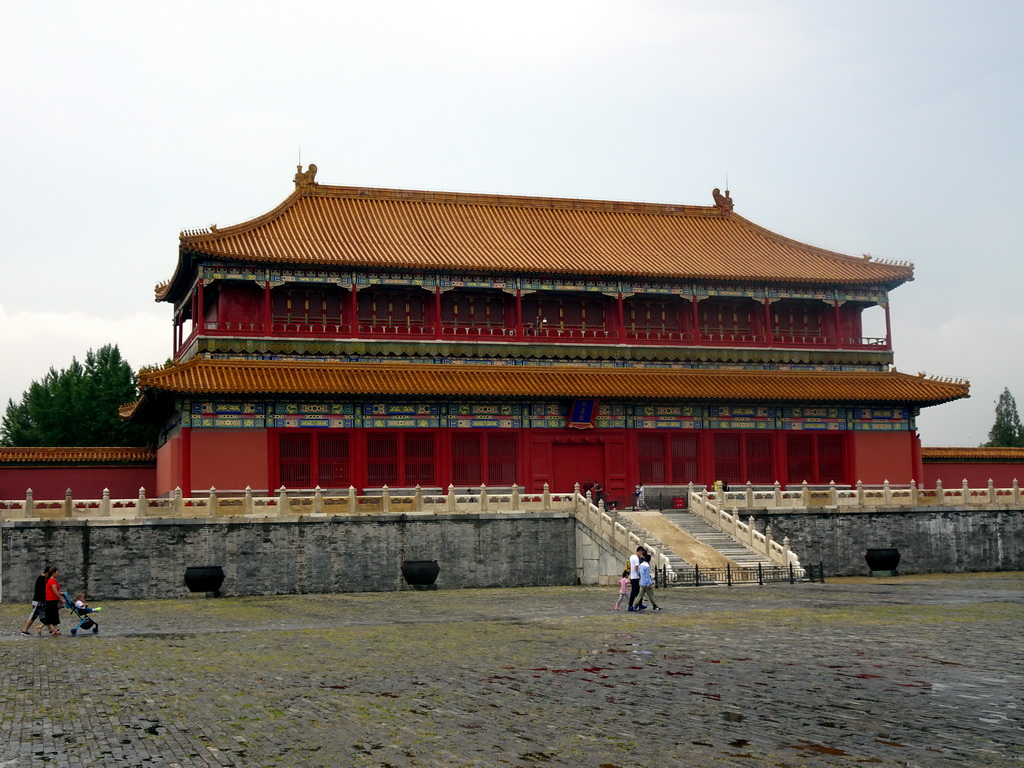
650	315
797	319
488	458
685	456
651	450
799	459
717	316
566	313
315	458
305	306
473	310
397	309
399	459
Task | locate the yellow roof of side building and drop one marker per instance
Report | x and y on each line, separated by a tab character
201	376
323	226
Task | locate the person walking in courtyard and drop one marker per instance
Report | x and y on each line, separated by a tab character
647	583
638	497
38	599
624	587
51	614
634	578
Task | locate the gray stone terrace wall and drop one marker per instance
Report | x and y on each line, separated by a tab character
147	559
935	540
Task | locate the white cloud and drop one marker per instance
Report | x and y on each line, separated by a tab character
33	342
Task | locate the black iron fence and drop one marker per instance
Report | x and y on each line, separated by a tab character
700	577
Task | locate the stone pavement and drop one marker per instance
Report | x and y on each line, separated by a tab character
911	671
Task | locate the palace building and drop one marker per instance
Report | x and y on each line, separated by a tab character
367	337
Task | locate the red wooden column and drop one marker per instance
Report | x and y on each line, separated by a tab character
888	328
354	310
268	316
437	312
696	319
200	318
768	321
519	313
620	319
839	332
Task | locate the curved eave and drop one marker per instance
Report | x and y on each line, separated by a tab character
982	455
367	228
230	377
56	456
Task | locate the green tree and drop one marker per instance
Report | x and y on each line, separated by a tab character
77	406
1006	432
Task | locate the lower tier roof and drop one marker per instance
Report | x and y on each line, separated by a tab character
205	377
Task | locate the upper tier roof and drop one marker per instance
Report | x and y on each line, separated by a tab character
358	227
201	376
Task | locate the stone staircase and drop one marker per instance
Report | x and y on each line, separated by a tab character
707	534
675	562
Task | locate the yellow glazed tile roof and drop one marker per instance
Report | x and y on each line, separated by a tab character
358	227
90	455
213	377
973	454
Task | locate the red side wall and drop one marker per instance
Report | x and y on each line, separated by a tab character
229	460
51	483
881	456
953	473
168	466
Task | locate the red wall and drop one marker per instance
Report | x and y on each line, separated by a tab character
168	466
229	460
977	474
881	456
51	483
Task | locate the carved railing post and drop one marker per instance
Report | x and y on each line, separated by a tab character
965	493
177	505
860	494
318	500
483	497
105	504
546	496
515	496
452	502
785	550
247	503
913	493
212	505
751	523
750	494
833	494
69	504
991	492
777	489
886	493
385	500
30	505
1016	492
282	501
351	500
143	506
805	495
417	499
735	519
940	495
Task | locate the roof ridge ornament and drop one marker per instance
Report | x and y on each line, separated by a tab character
305	179
722	202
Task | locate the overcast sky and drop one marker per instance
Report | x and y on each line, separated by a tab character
891	128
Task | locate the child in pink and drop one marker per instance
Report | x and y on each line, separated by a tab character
623	590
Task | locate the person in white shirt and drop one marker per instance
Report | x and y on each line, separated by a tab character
634	578
647	583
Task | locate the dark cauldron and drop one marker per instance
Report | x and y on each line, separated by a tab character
884	560
204	578
420	573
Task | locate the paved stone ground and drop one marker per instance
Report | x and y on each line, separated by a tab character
912	671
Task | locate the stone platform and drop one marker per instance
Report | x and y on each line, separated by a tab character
911	671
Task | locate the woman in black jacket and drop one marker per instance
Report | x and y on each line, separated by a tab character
38	599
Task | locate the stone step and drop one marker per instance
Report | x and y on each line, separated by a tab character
707	534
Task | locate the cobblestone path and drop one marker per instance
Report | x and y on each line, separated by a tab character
925	672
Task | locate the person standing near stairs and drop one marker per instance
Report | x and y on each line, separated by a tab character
647	583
